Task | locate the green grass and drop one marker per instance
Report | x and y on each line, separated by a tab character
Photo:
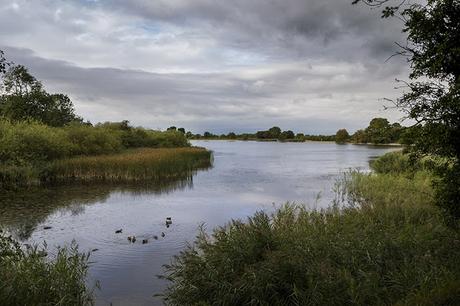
32	154
28	277
382	243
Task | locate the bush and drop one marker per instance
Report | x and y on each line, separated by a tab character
29	141
387	244
400	163
88	140
27	277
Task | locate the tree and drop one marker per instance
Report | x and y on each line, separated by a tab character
171	128
274	132
378	131
432	96
23	97
182	130
342	136
286	135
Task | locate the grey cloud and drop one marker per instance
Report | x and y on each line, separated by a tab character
309	65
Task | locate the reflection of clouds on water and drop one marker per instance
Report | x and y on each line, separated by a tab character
22	212
246	177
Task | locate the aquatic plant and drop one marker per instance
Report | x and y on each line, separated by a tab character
165	164
383	243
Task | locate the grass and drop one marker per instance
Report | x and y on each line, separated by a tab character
34	154
28	277
133	165
383	242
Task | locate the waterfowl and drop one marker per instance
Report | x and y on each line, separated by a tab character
119	231
162	234
47	227
144	241
132	239
155	237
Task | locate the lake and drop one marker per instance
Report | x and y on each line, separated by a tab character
245	177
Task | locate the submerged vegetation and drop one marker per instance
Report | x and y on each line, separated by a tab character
382	242
28	277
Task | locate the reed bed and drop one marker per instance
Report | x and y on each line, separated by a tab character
382	243
163	164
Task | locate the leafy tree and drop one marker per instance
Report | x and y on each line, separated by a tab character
286	135
432	96
23	97
378	130
182	130
360	136
171	128
274	132
207	134
342	136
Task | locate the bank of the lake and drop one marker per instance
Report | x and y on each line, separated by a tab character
246	177
33	154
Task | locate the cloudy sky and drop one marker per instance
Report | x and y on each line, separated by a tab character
312	66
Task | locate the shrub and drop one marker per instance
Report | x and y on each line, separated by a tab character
27	277
31	142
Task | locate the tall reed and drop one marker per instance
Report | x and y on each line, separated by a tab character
386	244
134	165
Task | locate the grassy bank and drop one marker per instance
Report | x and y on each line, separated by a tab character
27	277
32	154
382	243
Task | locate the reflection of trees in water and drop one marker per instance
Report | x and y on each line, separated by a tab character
21	212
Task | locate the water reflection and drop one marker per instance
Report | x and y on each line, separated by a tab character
21	212
246	177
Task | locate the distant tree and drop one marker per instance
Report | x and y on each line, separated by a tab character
300	136
274	132
231	135
378	131
182	130
263	135
360	136
286	135
189	134
171	128
23	97
207	134
342	136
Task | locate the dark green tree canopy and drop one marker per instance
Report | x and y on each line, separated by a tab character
342	136
432	96
23	97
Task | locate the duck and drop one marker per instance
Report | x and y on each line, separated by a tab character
132	239
144	241
155	237
163	234
119	231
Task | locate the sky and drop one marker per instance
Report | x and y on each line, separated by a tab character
312	66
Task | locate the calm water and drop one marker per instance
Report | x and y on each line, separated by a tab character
246	177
